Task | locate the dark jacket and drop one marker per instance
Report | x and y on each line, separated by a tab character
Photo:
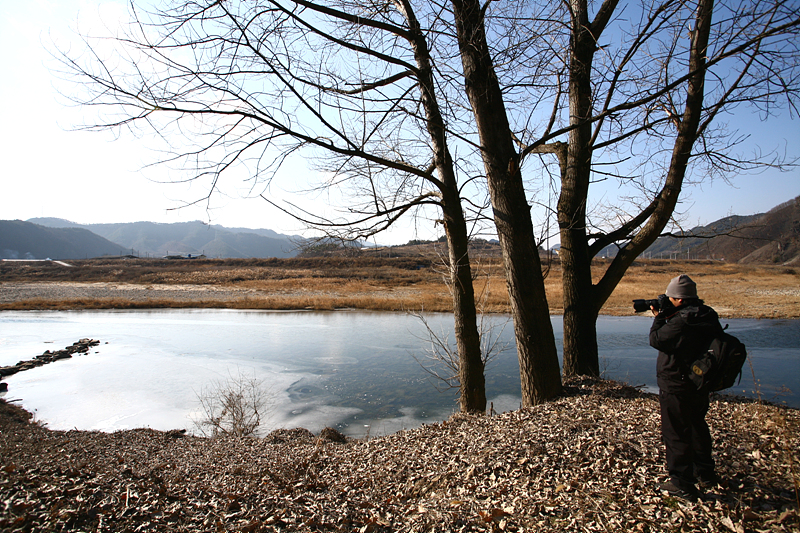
681	335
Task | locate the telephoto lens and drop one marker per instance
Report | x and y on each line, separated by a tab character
660	303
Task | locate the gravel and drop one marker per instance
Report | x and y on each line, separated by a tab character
11	292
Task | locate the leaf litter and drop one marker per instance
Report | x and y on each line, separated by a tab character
588	461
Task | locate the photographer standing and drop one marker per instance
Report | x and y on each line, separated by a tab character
681	332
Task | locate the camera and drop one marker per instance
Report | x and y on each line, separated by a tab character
660	303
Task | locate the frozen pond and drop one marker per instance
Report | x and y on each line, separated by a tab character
352	370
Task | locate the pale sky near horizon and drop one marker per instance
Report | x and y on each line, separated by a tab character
49	171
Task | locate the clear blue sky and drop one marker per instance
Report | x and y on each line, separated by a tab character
86	177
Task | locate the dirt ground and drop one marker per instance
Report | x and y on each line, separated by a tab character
588	461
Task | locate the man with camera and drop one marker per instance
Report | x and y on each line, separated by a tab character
681	332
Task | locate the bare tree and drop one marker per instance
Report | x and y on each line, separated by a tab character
639	92
352	85
536	350
645	108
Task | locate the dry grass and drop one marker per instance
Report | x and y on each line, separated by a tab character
735	291
366	283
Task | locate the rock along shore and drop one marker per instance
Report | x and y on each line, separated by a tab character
587	461
80	347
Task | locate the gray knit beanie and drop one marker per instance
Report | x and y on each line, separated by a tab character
681	287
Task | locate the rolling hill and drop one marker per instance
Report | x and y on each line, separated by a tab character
771	237
25	240
183	238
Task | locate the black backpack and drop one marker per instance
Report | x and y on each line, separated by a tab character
722	363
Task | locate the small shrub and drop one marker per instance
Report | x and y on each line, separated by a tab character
235	407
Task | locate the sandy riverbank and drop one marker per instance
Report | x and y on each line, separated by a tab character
100	291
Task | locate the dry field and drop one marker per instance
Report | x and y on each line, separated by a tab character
395	284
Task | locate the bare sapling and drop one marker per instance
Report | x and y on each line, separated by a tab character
236	406
440	359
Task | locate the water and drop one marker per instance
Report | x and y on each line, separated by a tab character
351	370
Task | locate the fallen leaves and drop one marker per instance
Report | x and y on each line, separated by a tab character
588	461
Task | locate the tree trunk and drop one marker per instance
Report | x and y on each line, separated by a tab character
540	378
470	372
580	320
538	359
582	298
470	369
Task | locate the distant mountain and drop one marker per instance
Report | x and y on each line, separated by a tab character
53	222
260	231
182	238
772	237
25	240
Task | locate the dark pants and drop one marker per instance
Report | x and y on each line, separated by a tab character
686	436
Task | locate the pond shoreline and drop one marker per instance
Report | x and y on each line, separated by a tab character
586	461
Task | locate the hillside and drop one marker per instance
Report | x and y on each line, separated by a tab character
666	247
25	240
772	237
196	238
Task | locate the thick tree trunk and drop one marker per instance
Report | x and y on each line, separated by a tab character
539	370
540	378
580	311
580	319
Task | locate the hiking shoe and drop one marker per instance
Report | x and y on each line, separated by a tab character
690	494
708	482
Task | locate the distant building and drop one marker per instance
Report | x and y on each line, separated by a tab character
187	256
